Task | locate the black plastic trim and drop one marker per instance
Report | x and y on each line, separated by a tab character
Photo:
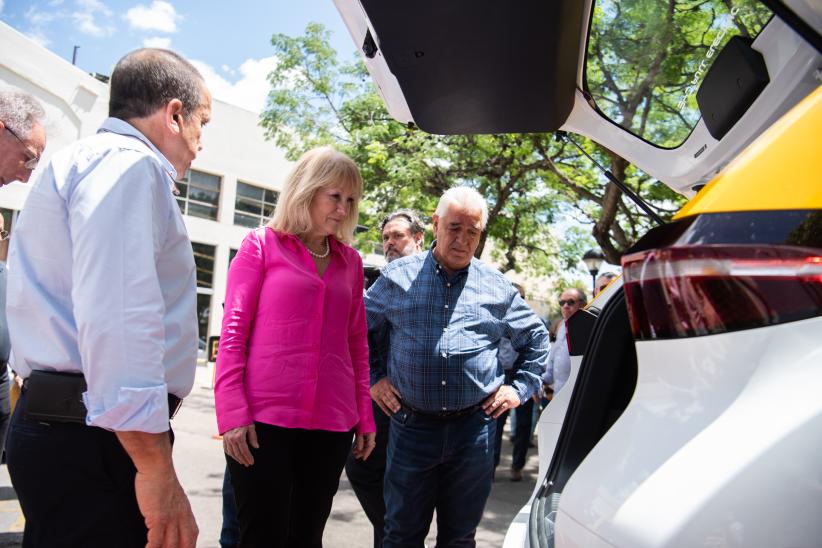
605	385
579	327
482	66
796	23
798	227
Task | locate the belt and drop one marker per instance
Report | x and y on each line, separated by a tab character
174	405
443	415
58	397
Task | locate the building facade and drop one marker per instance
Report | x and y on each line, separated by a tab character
231	187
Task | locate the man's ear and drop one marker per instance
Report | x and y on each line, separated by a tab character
435	220
174	115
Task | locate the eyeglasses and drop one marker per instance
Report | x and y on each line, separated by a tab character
31	163
569	302
4	235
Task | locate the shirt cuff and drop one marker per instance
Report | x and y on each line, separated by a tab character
366	426
524	389
377	375
136	410
232	409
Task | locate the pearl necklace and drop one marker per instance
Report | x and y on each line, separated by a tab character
319	255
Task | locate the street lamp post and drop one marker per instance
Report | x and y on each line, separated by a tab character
593	259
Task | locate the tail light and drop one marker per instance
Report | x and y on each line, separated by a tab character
694	290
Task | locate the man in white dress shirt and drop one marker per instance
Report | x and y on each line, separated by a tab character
102	317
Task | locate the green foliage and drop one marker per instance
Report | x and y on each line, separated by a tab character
643	56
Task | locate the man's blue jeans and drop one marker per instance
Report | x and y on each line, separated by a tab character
437	463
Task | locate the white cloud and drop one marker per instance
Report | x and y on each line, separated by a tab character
93	18
39	37
160	16
1	6
37	21
157	42
37	18
227	69
250	91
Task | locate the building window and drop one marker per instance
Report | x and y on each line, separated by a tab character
254	205
204	259
199	194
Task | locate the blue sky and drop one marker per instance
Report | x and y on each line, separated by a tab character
228	41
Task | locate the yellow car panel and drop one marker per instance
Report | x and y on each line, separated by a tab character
781	170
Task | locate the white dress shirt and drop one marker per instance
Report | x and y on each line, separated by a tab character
559	361
102	279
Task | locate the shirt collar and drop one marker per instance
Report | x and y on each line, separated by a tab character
439	269
121	127
337	247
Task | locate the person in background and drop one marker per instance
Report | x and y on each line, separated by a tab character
101	308
602	282
559	362
507	357
22	136
523	427
402	235
292	385
5	345
443	313
22	143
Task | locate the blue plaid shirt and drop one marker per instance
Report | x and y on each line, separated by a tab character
444	333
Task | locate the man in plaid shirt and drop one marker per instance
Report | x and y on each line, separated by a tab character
444	313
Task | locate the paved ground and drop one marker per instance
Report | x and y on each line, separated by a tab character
200	464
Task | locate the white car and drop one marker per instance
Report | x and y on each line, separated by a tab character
693	415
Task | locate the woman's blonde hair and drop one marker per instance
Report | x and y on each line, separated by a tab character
317	169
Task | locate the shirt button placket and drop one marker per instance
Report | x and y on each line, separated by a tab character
446	346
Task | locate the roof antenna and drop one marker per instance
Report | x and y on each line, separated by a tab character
74	55
563	136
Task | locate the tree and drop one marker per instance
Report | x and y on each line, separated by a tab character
317	100
642	54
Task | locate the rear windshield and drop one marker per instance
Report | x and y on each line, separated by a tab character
647	58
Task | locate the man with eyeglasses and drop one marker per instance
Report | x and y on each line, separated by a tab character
559	360
22	140
102	318
22	136
402	236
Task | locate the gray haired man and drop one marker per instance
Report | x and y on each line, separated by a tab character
21	144
443	314
22	136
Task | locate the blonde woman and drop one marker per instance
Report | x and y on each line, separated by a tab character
292	372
